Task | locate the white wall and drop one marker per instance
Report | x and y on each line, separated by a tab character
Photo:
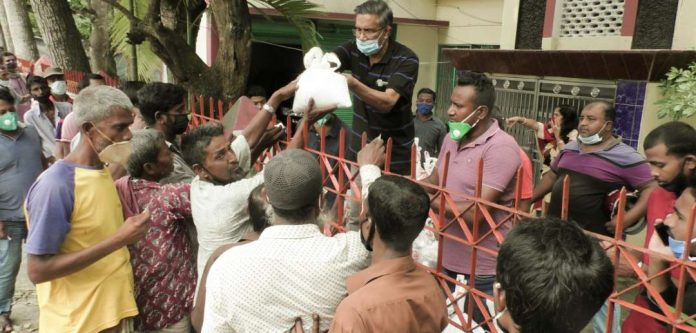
471	21
685	26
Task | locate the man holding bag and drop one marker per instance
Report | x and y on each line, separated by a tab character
384	73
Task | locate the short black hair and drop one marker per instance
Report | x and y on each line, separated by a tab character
193	144
258	210
95	76
35	79
255	90
84	83
159	96
485	92
427	91
678	137
6	95
555	277
130	88
398	208
379	8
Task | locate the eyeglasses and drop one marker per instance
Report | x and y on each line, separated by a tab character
366	32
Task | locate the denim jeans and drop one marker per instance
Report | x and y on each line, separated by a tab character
10	258
599	321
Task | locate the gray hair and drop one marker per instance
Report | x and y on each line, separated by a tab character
96	103
146	145
379	8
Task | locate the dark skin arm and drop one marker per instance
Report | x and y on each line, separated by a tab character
638	210
382	101
256	128
43	268
545	185
310	117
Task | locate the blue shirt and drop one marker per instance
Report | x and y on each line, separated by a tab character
20	164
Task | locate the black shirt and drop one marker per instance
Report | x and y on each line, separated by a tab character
398	70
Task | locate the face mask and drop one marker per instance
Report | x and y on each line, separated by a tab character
58	87
592	139
368	47
116	152
458	130
8	121
5	83
11	66
367	242
424	109
181	122
678	246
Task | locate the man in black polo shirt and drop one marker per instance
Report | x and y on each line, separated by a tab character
384	73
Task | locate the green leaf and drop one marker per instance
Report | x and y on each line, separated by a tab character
296	12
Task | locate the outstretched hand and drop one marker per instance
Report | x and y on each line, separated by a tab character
313	114
372	153
297	328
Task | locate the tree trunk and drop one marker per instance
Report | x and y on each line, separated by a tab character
5	29
2	37
101	53
60	34
20	29
233	59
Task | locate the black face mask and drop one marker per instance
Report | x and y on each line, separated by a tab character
678	184
44	98
181	122
368	242
11	66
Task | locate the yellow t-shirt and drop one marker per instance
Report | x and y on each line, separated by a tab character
68	209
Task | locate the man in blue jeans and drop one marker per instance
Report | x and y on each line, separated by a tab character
21	161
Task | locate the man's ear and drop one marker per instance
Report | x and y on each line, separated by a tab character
160	117
499	297
199	171
86	126
690	162
484	112
149	169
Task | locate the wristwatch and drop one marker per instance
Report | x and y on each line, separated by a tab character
268	108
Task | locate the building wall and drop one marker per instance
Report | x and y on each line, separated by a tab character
655	24
423	41
471	21
685	27
530	24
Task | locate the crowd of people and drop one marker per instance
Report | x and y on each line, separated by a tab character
135	222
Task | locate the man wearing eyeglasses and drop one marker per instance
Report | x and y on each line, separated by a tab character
383	75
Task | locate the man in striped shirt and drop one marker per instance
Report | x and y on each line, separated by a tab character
383	75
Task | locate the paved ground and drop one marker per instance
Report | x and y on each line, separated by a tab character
25	311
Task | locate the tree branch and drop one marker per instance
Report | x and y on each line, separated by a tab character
124	10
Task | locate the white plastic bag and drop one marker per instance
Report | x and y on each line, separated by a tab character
321	83
425	247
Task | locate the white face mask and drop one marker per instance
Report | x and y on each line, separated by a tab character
594	138
58	87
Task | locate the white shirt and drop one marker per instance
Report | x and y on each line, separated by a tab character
291	271
46	128
220	211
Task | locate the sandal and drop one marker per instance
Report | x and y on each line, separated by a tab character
5	323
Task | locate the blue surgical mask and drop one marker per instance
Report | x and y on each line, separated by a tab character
424	109
678	246
368	47
592	139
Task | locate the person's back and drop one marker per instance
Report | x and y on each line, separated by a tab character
393	294
292	269
551	277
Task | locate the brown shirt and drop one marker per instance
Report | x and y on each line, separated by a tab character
392	296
